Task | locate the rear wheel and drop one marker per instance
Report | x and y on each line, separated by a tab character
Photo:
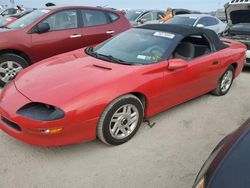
10	66
120	120
225	82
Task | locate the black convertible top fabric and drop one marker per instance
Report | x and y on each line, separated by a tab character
186	31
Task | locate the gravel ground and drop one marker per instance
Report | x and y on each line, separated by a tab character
166	156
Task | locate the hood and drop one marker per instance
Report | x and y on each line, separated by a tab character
237	12
62	79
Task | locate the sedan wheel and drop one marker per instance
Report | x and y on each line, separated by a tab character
8	70
120	120
225	83
10	66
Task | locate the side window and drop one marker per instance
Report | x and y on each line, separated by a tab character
192	47
212	21
66	19
159	15
113	16
147	17
94	17
203	21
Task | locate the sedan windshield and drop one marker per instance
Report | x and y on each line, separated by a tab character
132	15
182	20
28	19
135	46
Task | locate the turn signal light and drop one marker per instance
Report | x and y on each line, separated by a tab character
51	131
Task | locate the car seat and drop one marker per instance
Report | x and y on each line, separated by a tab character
185	50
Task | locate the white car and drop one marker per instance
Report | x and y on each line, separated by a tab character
238	18
199	20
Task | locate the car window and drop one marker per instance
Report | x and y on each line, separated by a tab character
203	21
183	20
159	15
94	17
144	47
147	17
192	47
233	171
212	21
208	21
28	19
113	16
66	19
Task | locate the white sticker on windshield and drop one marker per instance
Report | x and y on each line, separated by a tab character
143	57
191	17
164	34
138	12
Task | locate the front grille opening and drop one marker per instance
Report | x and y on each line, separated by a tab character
11	124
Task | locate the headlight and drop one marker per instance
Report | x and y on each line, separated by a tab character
201	184
41	112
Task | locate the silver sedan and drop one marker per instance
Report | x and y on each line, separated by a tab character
199	20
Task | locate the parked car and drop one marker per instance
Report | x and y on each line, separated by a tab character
239	23
8	11
53	30
228	165
139	17
5	21
199	20
107	91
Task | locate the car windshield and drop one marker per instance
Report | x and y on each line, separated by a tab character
132	15
182	20
28	19
4	21
135	46
243	27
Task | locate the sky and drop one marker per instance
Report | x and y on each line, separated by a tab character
200	5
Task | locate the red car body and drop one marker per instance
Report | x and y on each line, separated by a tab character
34	47
83	86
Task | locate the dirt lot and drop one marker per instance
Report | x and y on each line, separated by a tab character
166	156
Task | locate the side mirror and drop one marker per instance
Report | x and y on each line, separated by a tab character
174	64
42	28
200	25
142	21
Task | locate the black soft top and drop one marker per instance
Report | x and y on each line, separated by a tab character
185	31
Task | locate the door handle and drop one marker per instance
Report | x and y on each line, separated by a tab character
110	32
75	36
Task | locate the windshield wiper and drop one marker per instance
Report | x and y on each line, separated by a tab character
109	58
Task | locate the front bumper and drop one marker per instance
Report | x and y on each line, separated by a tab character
24	129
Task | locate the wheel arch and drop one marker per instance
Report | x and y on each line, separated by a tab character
235	66
16	52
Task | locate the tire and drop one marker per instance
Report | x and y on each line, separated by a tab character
117	119
223	87
10	66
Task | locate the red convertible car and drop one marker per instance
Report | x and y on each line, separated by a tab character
107	91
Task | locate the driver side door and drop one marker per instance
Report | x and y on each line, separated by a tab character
64	35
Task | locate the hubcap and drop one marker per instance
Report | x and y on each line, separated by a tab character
226	81
8	70
124	121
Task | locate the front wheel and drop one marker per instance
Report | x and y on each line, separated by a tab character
225	82
10	66
120	120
